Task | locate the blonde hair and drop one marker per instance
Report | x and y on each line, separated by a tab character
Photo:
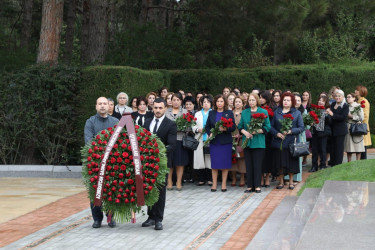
256	98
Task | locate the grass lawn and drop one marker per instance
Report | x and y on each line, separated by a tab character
363	170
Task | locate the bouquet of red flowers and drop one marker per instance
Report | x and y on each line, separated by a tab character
185	122
286	125
256	123
317	109
269	110
225	123
358	108
310	118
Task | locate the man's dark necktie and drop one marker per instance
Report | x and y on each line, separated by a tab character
156	126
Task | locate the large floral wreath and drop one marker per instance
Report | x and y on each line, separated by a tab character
119	190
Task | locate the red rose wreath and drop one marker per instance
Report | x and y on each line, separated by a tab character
119	189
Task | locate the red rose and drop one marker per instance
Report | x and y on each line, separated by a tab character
122	183
133	188
126	201
89	158
110	199
124	146
153	181
362	106
115	167
125	154
127	190
150	188
113	189
109	193
113	160
132	200
109	168
120	190
95	186
363	102
117	201
121	175
146	192
90	172
156	167
92	179
130	181
115	146
107	185
113	174
125	195
131	194
114	182
103	132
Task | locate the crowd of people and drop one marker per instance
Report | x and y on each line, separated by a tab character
256	157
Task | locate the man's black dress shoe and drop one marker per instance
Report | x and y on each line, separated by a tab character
112	223
97	224
158	225
148	223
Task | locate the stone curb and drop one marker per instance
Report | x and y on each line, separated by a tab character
46	171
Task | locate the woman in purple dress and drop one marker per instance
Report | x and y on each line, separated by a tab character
221	146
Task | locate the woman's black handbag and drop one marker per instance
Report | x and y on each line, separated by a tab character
358	129
298	149
189	142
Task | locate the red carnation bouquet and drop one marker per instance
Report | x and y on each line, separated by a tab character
286	125
310	118
185	122
256	123
225	123
269	110
317	109
119	189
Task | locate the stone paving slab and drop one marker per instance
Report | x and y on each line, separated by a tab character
45	171
343	217
273	224
187	215
290	232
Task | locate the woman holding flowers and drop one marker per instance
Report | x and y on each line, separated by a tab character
354	144
286	125
254	125
202	161
239	166
321	130
339	112
221	140
180	154
361	93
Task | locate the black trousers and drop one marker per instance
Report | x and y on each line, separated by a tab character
204	174
337	153
156	212
364	154
319	148
97	213
253	160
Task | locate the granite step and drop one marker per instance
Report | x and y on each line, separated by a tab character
343	217
290	232
265	235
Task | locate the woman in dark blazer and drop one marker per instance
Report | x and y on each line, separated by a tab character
142	114
221	146
283	160
339	112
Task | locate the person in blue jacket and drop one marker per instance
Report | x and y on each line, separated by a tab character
221	146
283	160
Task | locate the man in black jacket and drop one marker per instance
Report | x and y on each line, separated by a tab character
166	130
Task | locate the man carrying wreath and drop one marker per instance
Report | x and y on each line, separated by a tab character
94	125
166	130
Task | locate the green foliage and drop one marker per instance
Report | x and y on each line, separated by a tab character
253	57
108	81
37	115
315	78
350	171
151	48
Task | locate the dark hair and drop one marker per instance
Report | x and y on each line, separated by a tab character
206	97
274	104
161	89
141	99
161	100
300	108
131	101
110	100
217	97
309	101
189	99
266	95
326	101
291	97
178	95
186	94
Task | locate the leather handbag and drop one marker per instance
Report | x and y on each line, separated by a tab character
239	149
298	149
358	129
189	142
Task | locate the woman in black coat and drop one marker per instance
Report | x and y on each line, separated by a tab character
339	111
142	114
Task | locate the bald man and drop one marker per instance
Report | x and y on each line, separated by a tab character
93	126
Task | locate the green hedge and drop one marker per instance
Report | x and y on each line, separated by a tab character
108	81
315	78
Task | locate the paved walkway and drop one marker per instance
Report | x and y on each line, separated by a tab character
194	218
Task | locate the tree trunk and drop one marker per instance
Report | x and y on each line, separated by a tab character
112	20
49	42
86	6
96	32
70	25
26	23
144	12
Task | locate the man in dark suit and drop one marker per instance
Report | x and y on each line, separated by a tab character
166	130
